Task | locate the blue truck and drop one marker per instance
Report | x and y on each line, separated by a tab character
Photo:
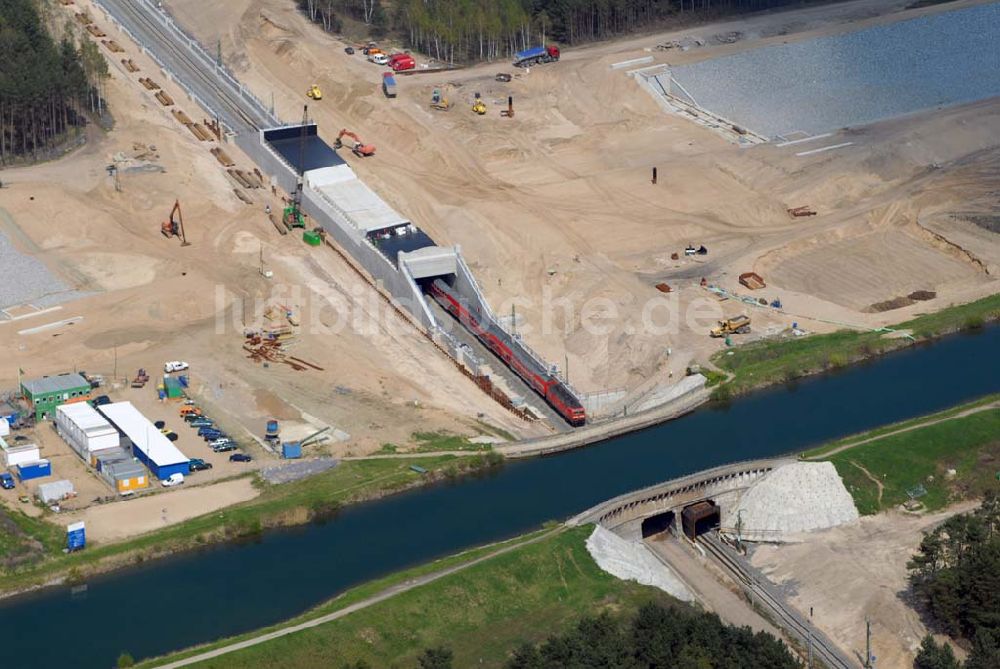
535	55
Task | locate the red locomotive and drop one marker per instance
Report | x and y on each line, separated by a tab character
494	338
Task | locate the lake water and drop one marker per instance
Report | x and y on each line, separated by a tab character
856	78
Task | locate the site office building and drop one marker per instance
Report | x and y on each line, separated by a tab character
49	392
149	445
86	431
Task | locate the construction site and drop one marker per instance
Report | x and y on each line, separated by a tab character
372	244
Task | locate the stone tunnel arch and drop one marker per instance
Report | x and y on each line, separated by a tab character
659	523
700	517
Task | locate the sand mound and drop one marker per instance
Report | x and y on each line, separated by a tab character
632	561
798	497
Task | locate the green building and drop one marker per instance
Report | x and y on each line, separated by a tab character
172	387
48	392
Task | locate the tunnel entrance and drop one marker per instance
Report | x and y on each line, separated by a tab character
661	522
699	518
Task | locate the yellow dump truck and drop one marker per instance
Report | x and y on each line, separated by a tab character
735	325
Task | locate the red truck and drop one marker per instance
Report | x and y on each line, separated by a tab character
401	61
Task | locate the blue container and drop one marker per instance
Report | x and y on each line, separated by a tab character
162	394
272	427
184	380
76	536
291	450
34	470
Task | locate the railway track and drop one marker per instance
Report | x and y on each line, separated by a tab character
136	17
822	648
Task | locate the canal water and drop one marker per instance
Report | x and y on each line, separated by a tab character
224	590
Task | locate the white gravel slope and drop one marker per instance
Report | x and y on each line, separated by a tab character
632	561
798	497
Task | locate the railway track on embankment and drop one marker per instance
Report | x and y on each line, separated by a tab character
757	587
180	57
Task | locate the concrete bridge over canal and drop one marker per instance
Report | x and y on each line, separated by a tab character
723	486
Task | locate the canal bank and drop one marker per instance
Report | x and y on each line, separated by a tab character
229	589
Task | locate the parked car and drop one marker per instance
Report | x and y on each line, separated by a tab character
159	425
195	416
172	436
199	465
20	437
201	422
175	366
6	481
101	400
240	457
214	436
172	480
224	448
209	431
221	441
349	50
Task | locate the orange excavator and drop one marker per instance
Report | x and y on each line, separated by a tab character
175	226
359	148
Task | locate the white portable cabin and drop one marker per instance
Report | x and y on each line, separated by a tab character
85	430
18	454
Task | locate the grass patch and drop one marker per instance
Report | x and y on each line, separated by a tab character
970	445
302	501
26	541
773	361
428	442
482	612
714	377
820	451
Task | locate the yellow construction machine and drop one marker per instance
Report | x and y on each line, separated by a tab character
314	93
439	102
736	325
479	106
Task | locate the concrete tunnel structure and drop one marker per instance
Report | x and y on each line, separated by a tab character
390	247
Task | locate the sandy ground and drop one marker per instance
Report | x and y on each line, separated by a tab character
154	300
850	572
711	588
557	204
123	519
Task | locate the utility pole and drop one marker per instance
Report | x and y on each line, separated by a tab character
868	643
115	374
218	52
513	320
566	359
810	630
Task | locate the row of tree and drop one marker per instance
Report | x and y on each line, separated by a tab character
45	84
658	637
955	576
468	30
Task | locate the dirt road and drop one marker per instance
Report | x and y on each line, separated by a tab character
847	573
119	520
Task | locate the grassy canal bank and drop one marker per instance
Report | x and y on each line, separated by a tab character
772	361
544	584
936	459
483	612
31	548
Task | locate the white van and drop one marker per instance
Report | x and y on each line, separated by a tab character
172	480
379	58
175	366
